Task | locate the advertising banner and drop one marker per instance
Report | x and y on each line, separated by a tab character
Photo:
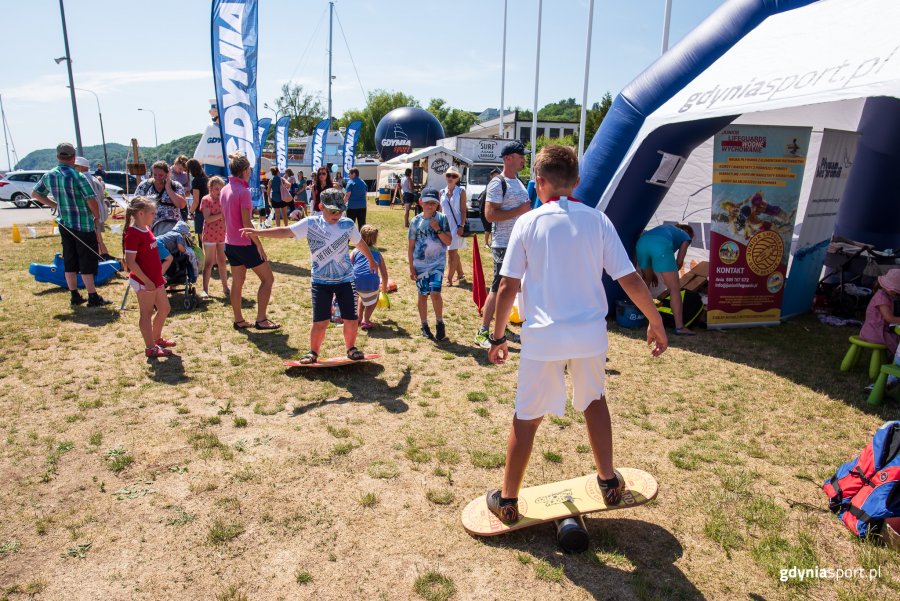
320	137
836	155
281	143
351	137
234	50
757	174
262	133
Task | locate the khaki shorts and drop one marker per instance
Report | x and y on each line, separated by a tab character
542	385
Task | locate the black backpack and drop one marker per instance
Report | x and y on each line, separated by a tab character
482	201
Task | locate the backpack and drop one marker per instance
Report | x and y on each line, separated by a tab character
482	200
692	308
866	491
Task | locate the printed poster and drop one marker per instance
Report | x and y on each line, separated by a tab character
757	174
836	156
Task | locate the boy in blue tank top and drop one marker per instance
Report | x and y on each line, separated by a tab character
365	279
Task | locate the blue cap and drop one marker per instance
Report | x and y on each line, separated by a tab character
514	147
431	195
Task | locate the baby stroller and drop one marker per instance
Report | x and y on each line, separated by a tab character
182	273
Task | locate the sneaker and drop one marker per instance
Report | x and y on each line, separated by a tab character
426	332
95	300
440	332
511	336
157	351
481	338
365	325
77	300
612	488
506	511
204	294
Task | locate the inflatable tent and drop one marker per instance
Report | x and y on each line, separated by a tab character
749	58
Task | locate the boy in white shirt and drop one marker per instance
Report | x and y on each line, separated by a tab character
328	235
558	253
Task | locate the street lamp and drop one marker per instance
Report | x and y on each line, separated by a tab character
155	137
102	135
68	59
269	108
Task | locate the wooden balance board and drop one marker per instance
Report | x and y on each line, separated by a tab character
332	362
559	500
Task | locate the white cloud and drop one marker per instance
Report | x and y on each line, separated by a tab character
53	88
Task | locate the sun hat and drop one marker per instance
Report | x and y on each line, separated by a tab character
452	171
65	150
333	199
890	281
430	195
82	162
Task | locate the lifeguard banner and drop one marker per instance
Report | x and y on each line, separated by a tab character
757	173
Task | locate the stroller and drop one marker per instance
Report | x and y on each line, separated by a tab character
181	276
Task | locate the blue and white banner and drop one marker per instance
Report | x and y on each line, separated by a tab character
836	155
351	137
281	143
262	133
234	49
320	136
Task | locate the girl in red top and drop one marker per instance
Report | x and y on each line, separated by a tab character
146	276
214	235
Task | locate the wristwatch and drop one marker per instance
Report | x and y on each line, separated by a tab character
496	341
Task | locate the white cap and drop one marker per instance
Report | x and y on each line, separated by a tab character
82	162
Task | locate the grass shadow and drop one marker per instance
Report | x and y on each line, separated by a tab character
271	342
93	316
288	269
168	370
801	350
602	571
361	382
388	329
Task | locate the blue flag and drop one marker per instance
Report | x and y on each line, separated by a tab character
281	143
351	137
262	133
234	48
320	136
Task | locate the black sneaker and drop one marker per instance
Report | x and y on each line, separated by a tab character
441	334
95	300
77	299
506	510
612	488
426	332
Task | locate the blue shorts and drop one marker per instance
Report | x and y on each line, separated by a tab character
431	282
163	252
655	252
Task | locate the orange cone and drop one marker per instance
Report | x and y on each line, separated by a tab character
17	237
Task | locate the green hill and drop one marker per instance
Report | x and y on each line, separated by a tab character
46	157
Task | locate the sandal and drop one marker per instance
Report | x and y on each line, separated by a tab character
612	488
241	325
157	352
165	343
267	324
309	358
354	354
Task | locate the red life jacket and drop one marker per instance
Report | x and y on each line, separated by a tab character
866	491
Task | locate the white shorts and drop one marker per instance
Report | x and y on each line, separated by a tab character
136	285
368	298
542	385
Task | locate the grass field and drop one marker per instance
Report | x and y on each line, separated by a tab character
219	475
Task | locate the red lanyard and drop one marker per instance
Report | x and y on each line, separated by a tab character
558	198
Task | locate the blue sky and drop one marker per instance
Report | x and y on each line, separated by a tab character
134	56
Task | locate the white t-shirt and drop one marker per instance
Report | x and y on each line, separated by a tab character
328	247
516	194
406	185
560	251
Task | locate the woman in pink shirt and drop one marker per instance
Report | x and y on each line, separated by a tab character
244	253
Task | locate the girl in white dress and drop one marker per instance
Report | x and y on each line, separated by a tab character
453	206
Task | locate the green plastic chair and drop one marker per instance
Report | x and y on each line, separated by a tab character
852	357
876	397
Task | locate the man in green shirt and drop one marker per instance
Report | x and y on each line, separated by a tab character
79	223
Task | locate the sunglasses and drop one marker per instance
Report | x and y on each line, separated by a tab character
452	176
335	211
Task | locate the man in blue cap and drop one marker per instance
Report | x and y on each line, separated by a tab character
506	200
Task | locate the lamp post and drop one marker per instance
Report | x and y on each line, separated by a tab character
155	137
68	59
102	135
275	112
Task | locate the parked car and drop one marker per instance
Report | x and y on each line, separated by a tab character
117	178
16	188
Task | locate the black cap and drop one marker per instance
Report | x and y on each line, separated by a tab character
430	195
514	147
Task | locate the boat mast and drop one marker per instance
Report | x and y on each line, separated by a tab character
5	138
330	53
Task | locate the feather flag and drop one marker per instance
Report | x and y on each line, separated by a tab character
479	292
